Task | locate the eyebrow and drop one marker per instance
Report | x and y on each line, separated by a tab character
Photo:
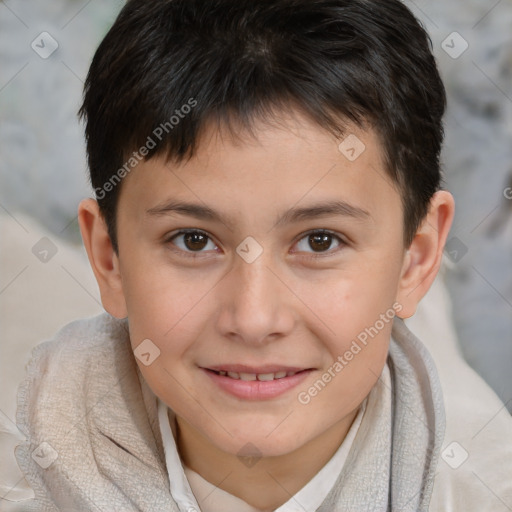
296	214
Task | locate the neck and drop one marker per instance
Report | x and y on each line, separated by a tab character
273	480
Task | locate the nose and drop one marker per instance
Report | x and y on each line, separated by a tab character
256	306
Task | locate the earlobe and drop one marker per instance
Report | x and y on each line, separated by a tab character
102	257
423	258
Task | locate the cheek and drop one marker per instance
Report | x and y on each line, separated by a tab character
354	314
345	303
164	321
161	300
354	366
171	310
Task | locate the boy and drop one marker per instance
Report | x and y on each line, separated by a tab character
268	209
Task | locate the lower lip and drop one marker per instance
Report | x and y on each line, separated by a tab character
257	389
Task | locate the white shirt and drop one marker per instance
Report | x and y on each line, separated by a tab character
187	486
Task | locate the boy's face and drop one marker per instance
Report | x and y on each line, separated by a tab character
251	296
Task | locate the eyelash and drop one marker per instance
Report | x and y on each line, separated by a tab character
192	254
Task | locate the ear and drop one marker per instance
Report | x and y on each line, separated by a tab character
102	257
423	258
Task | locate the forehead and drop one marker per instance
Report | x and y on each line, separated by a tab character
287	161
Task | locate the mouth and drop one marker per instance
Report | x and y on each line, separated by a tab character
261	376
256	383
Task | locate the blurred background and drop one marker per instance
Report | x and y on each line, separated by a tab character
45	281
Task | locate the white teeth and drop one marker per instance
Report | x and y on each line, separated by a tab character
247	376
256	376
266	376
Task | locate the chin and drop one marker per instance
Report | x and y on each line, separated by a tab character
255	444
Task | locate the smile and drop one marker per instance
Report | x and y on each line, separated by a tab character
256	383
256	376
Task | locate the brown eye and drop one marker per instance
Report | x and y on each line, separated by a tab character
195	241
319	241
192	241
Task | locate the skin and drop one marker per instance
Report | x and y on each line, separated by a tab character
286	307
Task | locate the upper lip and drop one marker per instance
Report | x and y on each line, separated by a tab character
242	368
